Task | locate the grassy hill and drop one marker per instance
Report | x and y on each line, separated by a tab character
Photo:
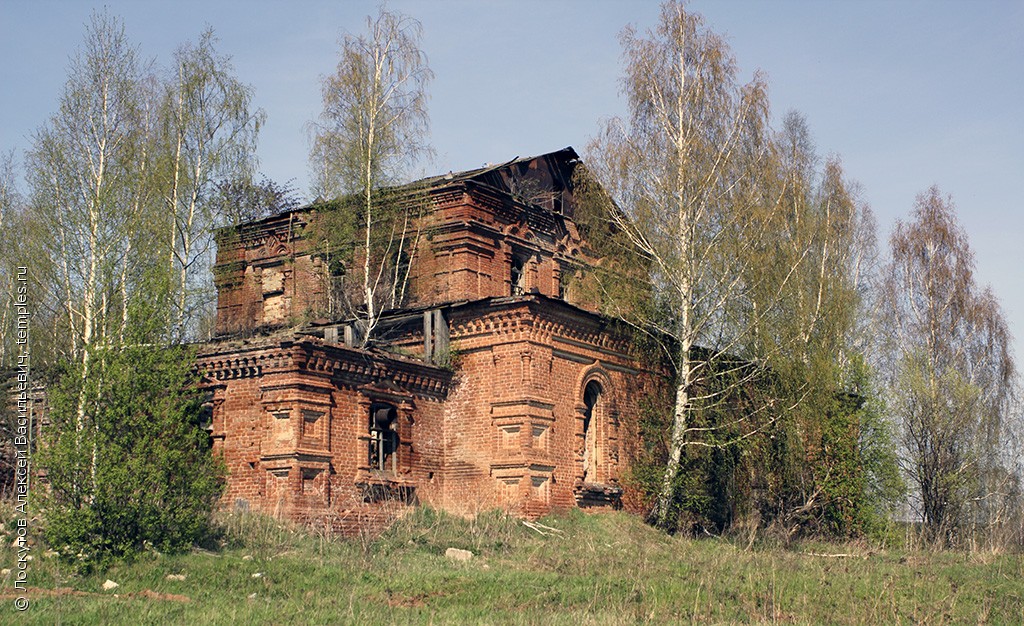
574	569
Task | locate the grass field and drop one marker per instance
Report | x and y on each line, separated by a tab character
584	569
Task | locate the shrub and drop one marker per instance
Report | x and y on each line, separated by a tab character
128	463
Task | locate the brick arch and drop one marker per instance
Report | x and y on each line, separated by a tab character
521	231
596	428
592	373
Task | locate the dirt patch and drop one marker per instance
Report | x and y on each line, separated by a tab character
156	595
414	601
37	592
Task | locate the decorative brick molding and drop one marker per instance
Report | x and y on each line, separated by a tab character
533	407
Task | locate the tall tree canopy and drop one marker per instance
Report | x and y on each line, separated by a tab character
84	174
833	469
951	373
373	128
208	135
687	174
746	260
120	179
12	206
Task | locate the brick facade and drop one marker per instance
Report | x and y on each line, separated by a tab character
501	389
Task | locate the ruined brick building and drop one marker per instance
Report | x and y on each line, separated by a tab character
498	386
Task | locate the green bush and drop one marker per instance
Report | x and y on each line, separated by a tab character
128	463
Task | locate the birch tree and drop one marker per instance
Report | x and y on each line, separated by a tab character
816	331
84	173
209	135
123	417
687	174
11	206
373	128
952	376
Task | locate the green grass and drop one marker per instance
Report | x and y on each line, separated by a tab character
598	569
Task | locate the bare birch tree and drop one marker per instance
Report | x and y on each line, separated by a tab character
209	135
688	174
84	170
84	174
11	206
952	375
826	240
373	128
95	225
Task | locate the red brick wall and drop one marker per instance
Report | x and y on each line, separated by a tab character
266	276
514	419
516	410
472	240
291	421
507	431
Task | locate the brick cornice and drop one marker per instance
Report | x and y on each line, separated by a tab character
241	362
342	366
542	320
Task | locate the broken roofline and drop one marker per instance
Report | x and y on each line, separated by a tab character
402	315
429	184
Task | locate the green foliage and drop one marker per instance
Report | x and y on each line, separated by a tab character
884	488
133	470
723	240
711	489
337	229
373	128
239	199
374	122
646	470
806	457
397	217
828	468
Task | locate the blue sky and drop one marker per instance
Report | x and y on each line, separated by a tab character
908	94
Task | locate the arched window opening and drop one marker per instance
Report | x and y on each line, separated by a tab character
336	272
383	453
517	276
591	399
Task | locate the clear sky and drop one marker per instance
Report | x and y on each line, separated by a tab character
908	94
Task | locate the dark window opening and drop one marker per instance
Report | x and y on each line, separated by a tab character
205	417
517	276
565	278
336	272
383	452
591	397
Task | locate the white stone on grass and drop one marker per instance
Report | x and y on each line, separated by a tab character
455	554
